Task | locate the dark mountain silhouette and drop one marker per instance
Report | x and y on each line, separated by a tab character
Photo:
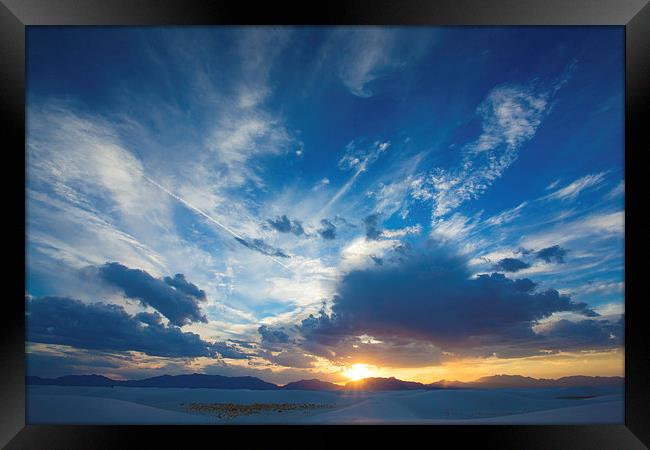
73	380
197	380
312	385
518	381
580	380
194	380
384	384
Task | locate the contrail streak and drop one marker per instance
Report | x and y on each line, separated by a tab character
193	208
206	215
346	187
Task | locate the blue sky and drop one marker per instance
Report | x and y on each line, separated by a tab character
284	173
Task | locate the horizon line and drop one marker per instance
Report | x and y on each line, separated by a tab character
340	383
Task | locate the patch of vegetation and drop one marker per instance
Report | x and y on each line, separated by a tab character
232	410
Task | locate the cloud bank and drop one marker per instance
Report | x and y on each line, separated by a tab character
285	225
511	265
101	326
430	296
552	254
176	298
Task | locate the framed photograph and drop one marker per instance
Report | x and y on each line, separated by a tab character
372	217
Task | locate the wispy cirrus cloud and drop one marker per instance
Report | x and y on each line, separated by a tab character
367	54
454	228
321	183
597	225
259	49
402	232
395	193
510	117
552	184
617	191
242	137
506	216
572	190
80	157
357	159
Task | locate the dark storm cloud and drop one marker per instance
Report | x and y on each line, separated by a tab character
74	361
278	347
273	335
175	298
285	225
327	230
101	326
432	297
228	351
291	357
243	344
373	230
389	352
524	285
589	333
552	254
340	220
180	282
262	247
151	319
511	265
281	224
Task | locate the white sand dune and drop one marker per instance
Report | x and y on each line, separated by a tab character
601	413
54	404
71	409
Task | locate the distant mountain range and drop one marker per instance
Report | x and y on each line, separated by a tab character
197	380
518	381
312	385
384	384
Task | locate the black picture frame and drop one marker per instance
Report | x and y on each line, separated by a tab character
15	15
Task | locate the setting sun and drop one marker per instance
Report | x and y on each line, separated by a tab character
358	371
